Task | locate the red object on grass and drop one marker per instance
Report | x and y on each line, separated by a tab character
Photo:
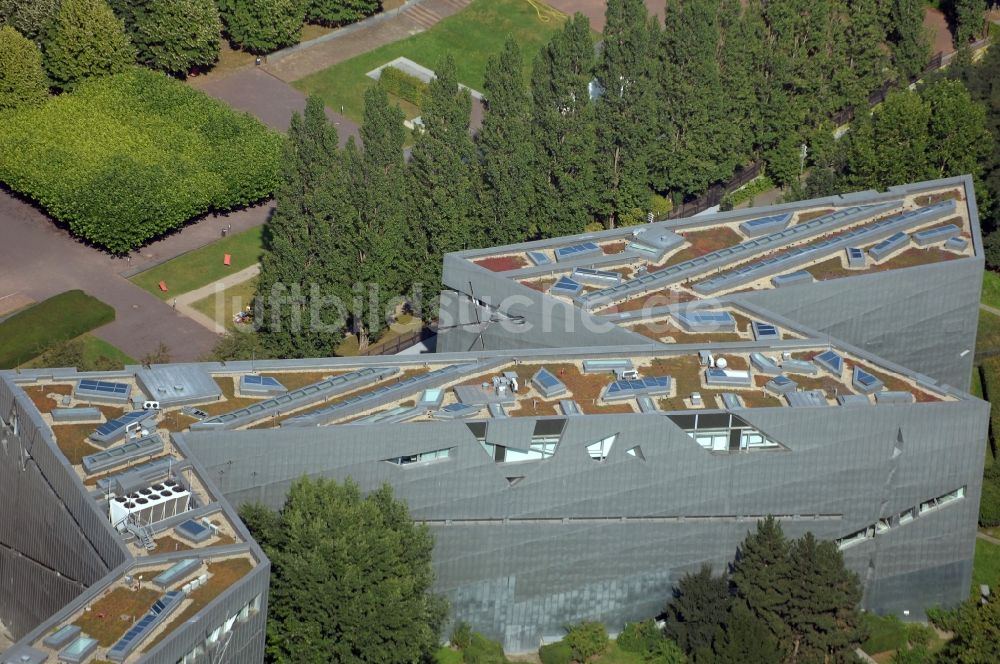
163	286
226	259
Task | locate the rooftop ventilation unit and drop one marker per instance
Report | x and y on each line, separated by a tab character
148	506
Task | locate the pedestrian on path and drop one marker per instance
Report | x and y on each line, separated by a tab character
174	304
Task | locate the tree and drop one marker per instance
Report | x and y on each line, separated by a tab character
159	355
293	307
587	640
822	616
740	57
696	616
909	42
442	173
745	639
22	79
977	634
506	198
86	40
958	138
262	26
375	245
625	110
178	35
761	575
340	12
984	87
29	17
350	577
564	131
968	21
862	53
693	150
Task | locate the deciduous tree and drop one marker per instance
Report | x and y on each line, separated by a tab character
968	20
29	17
442	176
262	26
340	12
178	35
293	306
625	111
909	42
507	196
22	79
350	577
564	130
85	40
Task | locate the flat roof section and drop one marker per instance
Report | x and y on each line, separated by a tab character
178	384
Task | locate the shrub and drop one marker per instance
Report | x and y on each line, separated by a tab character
22	79
991	250
49	324
640	637
340	12
461	636
918	634
129	157
262	26
86	40
482	650
556	653
747	192
660	205
179	35
587	640
403	85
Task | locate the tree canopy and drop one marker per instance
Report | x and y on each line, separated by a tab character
350	577
179	35
86	40
22	79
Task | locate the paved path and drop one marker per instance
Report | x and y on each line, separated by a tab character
594	9
988	538
269	98
39	259
992	310
184	302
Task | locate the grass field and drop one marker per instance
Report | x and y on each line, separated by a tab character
60	318
991	289
203	266
233	299
471	36
93	350
986	566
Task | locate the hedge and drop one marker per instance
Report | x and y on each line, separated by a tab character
126	158
49	323
403	85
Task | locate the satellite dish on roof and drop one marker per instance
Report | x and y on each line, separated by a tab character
721	363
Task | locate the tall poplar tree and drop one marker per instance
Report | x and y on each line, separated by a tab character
564	131
968	21
740	69
442	177
293	306
695	146
374	245
625	111
862	53
507	196
909	43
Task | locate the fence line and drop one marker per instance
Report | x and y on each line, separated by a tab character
402	342
714	195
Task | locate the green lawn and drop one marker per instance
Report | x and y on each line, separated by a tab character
471	35
60	318
986	566
233	299
448	656
988	334
93	350
203	266
991	289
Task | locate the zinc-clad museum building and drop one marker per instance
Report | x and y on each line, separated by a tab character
604	414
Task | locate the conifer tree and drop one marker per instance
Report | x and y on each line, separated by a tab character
86	40
625	111
822	616
442	176
293	307
696	616
761	575
745	639
506	198
908	41
564	130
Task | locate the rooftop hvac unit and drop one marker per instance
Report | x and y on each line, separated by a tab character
150	505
